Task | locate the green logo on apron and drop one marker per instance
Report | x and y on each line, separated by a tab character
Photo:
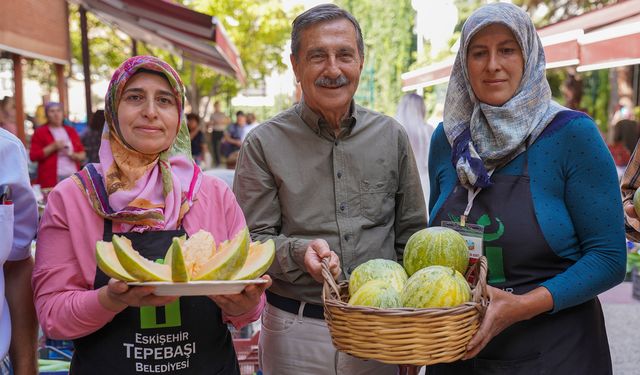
495	259
161	316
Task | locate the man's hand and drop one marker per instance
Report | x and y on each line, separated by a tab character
239	304
316	251
630	210
117	295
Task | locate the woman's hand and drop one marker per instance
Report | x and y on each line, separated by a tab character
239	304
117	295
630	210
316	251
504	310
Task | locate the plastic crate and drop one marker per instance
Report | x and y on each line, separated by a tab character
56	349
247	353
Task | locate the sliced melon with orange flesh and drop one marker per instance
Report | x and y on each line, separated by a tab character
141	268
228	259
260	257
108	262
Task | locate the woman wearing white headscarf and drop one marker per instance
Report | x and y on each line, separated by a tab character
540	180
410	114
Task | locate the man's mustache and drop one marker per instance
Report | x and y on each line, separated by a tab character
332	83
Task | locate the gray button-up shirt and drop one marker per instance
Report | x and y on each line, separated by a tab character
360	191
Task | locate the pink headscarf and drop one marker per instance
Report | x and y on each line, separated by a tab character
145	192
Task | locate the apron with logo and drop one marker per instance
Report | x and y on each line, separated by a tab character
186	336
570	341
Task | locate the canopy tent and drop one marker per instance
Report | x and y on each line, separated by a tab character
603	38
29	29
195	36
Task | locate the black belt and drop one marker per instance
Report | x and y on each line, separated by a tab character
293	306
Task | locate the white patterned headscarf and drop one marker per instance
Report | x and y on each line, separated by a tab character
484	137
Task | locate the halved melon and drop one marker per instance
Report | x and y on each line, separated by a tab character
259	259
141	268
108	262
228	259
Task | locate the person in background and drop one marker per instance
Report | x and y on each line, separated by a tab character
198	145
326	178
92	137
251	124
18	223
217	125
629	133
618	149
233	135
147	189
411	114
509	158
56	148
8	115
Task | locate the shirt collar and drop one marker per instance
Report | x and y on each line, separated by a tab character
317	123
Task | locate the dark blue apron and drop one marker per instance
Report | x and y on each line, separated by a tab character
184	337
571	341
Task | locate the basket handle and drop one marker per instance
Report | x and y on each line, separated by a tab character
480	269
328	277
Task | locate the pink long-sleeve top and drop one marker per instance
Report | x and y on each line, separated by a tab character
65	266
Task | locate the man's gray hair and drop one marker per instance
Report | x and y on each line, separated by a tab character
318	14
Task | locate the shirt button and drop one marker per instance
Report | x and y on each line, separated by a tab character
335	143
346	237
339	174
350	270
343	206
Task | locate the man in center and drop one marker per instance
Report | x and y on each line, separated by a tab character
325	178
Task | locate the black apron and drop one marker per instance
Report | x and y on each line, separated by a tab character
184	337
571	341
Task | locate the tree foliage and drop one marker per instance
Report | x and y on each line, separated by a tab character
260	37
387	28
259	30
551	11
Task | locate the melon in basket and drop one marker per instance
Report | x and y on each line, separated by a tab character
436	246
435	286
378	269
376	293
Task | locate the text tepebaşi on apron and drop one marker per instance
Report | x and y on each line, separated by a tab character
184	337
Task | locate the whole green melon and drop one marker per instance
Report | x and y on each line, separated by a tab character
378	269
435	286
376	293
636	201
436	246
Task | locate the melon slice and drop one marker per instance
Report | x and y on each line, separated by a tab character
259	259
141	268
175	259
108	262
228	259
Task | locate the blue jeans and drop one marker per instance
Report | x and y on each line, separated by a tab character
5	366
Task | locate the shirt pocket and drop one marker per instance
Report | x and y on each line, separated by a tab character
377	200
6	231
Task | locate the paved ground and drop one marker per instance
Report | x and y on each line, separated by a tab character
622	317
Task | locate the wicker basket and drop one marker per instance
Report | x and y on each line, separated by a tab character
405	335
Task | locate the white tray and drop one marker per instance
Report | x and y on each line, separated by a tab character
198	288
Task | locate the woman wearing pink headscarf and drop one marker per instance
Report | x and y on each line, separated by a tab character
147	188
